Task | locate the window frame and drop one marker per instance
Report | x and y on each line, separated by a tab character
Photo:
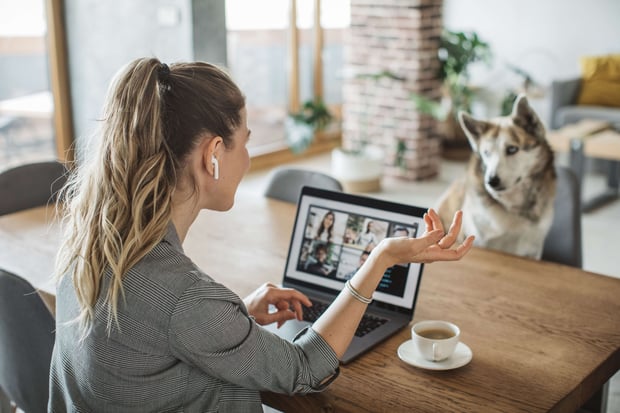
267	157
59	81
323	141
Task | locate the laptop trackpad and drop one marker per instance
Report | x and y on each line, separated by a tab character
289	330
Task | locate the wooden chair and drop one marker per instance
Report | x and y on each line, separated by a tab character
285	183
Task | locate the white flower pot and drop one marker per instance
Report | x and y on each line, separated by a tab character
358	172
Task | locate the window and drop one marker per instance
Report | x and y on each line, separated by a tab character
26	108
279	65
257	50
35	83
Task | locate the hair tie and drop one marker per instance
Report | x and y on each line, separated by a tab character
163	75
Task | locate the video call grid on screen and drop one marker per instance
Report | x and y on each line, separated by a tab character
349	239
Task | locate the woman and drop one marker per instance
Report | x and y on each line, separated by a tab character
319	265
139	326
324	233
367	239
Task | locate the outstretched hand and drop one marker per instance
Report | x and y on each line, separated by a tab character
433	245
287	301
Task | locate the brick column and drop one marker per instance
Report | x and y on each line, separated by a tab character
402	37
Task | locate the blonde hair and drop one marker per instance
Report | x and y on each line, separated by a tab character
118	205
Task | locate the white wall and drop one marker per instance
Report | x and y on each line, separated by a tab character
544	37
103	36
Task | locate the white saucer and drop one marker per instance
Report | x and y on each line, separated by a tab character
409	354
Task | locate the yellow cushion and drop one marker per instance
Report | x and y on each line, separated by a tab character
600	84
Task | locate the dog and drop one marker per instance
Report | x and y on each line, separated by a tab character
508	192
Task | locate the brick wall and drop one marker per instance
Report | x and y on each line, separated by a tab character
402	37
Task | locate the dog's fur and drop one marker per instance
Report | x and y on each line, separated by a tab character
508	192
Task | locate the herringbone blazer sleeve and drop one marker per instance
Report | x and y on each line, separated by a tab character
211	328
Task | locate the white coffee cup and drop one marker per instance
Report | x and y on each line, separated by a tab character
435	340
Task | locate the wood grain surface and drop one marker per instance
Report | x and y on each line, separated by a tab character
545	337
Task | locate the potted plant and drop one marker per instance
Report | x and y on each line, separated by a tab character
529	86
457	51
301	126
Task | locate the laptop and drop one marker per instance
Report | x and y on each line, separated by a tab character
322	256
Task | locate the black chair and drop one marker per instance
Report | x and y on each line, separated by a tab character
285	183
26	324
26	344
30	185
563	242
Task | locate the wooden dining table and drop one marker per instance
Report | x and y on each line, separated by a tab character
545	337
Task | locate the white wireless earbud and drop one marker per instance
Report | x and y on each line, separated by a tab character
216	168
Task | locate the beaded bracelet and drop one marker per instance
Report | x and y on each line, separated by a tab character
356	293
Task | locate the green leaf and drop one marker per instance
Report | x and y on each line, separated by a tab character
429	107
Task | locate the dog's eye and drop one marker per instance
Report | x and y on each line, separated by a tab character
511	149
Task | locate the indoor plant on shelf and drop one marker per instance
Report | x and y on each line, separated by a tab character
457	51
302	126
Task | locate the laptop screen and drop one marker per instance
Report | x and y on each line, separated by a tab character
333	234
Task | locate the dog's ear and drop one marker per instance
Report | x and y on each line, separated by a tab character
524	116
473	128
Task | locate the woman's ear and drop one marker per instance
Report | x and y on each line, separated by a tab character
211	156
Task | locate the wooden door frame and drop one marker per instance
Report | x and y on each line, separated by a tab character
59	80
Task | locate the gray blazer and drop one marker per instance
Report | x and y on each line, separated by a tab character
185	344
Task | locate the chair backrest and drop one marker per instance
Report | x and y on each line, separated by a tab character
285	183
563	93
563	242
30	185
26	344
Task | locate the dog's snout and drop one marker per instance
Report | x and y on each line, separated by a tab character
494	181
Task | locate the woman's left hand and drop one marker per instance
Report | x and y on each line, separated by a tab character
287	301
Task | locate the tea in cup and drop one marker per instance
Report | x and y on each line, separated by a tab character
435	340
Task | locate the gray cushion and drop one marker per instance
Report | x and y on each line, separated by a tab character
573	113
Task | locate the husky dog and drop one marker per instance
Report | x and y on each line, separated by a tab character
508	192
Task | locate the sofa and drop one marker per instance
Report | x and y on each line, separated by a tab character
594	95
565	110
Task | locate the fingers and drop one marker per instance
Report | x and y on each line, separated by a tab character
285	312
299	311
444	249
453	232
428	222
432	237
462	249
294	296
289	303
432	220
282	305
449	254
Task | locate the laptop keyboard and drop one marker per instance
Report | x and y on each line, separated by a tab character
368	323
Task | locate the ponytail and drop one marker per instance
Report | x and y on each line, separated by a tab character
119	204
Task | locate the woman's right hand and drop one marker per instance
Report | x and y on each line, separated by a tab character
287	301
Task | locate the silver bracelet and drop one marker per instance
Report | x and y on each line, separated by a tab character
356	294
